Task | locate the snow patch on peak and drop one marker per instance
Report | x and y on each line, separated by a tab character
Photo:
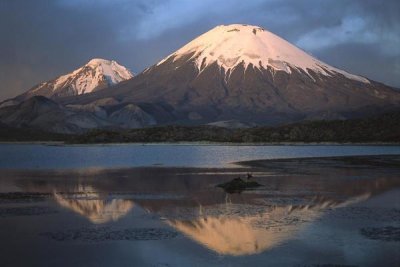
232	45
113	71
99	61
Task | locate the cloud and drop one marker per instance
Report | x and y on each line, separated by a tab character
363	59
350	30
170	15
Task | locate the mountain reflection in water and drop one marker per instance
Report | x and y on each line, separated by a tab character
228	228
238	234
244	235
240	224
93	207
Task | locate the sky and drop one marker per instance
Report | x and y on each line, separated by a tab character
42	39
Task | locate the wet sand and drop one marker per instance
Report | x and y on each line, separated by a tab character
341	211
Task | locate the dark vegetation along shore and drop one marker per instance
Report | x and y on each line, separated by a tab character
383	128
12	134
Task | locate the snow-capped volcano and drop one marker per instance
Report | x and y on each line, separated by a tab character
245	73
232	45
95	75
231	75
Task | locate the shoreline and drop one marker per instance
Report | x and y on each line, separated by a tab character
241	166
31	142
205	143
261	162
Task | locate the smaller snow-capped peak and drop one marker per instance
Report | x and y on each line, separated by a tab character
111	69
95	75
231	45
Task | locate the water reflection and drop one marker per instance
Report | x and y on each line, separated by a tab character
244	234
245	224
92	206
236	233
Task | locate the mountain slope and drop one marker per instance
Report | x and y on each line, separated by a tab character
244	73
97	74
41	113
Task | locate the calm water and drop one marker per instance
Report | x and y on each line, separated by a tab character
76	206
327	212
37	156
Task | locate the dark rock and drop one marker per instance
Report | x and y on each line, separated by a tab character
238	185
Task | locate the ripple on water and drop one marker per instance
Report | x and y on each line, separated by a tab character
26	211
100	234
387	233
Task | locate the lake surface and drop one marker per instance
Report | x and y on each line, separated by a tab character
124	205
37	156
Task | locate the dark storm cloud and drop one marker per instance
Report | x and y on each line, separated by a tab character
42	39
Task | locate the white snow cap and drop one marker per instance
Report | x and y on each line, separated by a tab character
231	45
113	71
82	81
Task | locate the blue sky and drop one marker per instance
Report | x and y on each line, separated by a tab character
42	39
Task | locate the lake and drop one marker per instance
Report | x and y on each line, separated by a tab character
160	205
37	156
